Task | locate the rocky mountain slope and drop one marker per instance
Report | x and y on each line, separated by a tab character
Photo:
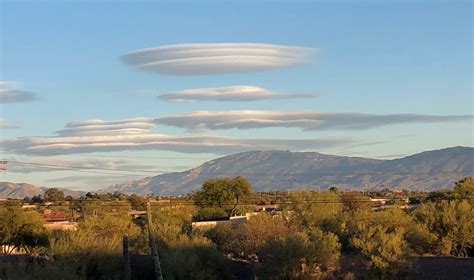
282	170
21	190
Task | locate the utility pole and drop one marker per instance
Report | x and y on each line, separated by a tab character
3	165
154	250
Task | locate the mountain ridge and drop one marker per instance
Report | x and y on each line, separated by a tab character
22	190
282	170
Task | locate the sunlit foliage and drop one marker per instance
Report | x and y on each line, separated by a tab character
21	230
452	223
224	194
300	256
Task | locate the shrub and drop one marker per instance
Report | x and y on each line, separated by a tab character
300	256
245	240
453	224
20	229
210	214
385	250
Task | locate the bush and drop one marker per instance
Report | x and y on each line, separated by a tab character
211	214
194	259
245	240
20	229
453	224
96	235
300	256
385	250
308	215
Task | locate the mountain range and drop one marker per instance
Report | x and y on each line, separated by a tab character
282	170
22	190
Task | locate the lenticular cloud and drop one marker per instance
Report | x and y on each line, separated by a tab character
136	134
230	93
306	120
216	58
10	95
101	127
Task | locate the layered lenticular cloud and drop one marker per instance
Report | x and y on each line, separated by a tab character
88	138
8	94
101	127
216	58
306	120
230	93
53	164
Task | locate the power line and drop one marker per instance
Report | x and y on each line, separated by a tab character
85	167
170	173
191	203
124	156
83	171
91	170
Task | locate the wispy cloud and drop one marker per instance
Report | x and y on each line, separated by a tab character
5	125
8	94
55	164
230	93
108	139
216	58
103	180
306	120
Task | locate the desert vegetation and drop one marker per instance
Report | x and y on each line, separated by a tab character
305	234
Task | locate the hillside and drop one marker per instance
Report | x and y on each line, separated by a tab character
21	190
282	170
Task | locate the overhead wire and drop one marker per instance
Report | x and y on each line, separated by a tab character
123	156
191	203
169	173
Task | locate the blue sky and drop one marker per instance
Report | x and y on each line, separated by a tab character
372	57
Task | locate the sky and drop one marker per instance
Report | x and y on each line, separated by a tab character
125	89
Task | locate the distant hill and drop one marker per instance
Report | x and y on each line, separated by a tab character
282	170
21	190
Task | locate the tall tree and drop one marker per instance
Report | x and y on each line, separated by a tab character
53	194
239	188
222	193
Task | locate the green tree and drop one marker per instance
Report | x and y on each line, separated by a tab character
53	194
225	193
465	188
238	189
20	229
37	199
137	202
333	189
211	213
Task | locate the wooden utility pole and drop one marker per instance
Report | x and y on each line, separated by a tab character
127	271
154	250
